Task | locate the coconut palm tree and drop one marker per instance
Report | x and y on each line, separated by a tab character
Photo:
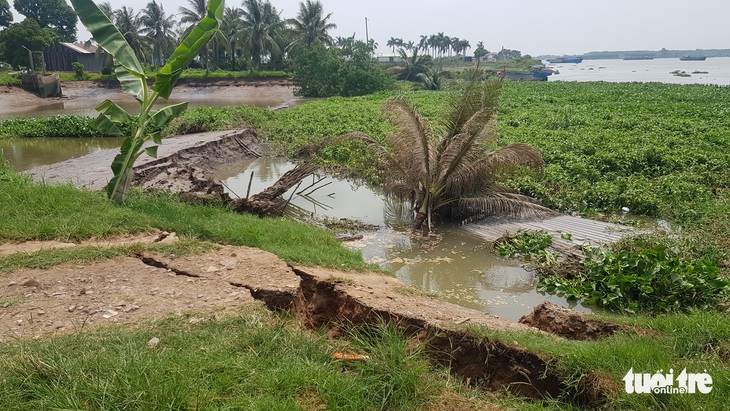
412	64
262	30
129	24
230	32
311	25
394	42
159	30
447	167
189	17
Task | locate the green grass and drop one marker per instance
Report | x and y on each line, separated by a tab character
253	361
697	341
33	211
8	80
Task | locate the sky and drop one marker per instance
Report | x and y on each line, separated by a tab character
535	27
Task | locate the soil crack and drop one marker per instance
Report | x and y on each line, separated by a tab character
152	262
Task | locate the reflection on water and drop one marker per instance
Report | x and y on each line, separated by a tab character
25	153
456	266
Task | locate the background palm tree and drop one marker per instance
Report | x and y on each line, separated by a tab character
448	168
189	17
394	42
412	64
159	30
129	24
311	25
262	30
230	32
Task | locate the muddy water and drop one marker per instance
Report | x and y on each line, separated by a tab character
82	101
24	154
454	265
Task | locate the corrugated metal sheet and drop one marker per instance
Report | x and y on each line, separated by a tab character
77	48
581	231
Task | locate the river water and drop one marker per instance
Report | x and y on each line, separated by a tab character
714	70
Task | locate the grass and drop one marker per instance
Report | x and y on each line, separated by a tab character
33	211
253	361
697	341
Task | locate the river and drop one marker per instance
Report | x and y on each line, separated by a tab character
714	70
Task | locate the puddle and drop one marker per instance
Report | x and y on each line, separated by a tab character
25	153
456	266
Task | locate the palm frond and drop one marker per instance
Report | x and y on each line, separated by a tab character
474	208
512	156
413	142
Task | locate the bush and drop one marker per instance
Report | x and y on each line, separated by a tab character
325	72
652	279
78	69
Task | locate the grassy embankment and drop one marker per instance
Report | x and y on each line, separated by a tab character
661	150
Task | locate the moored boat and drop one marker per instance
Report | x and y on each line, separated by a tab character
693	58
560	60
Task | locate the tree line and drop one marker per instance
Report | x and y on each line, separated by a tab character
252	36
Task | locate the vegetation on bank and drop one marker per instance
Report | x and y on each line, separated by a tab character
660	150
34	211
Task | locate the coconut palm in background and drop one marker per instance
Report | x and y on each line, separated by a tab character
129	24
450	166
230	32
158	27
311	25
262	30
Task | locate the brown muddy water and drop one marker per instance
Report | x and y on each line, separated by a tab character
25	153
82	101
454	265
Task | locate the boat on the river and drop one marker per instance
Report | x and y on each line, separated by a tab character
693	58
561	60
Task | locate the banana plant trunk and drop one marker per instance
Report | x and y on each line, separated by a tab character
125	183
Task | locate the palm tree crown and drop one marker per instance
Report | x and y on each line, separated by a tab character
311	25
447	167
159	29
262	28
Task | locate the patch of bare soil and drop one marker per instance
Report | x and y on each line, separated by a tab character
70	298
570	324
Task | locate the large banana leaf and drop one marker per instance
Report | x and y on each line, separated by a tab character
129	72
188	49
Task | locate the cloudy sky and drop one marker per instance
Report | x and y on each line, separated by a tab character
532	26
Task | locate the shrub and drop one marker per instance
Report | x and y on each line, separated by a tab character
652	279
78	69
325	72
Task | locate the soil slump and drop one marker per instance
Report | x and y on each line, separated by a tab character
570	324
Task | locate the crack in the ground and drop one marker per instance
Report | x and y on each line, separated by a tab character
159	264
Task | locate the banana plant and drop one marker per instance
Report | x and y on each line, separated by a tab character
147	124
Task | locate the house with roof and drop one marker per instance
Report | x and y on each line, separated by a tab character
60	56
